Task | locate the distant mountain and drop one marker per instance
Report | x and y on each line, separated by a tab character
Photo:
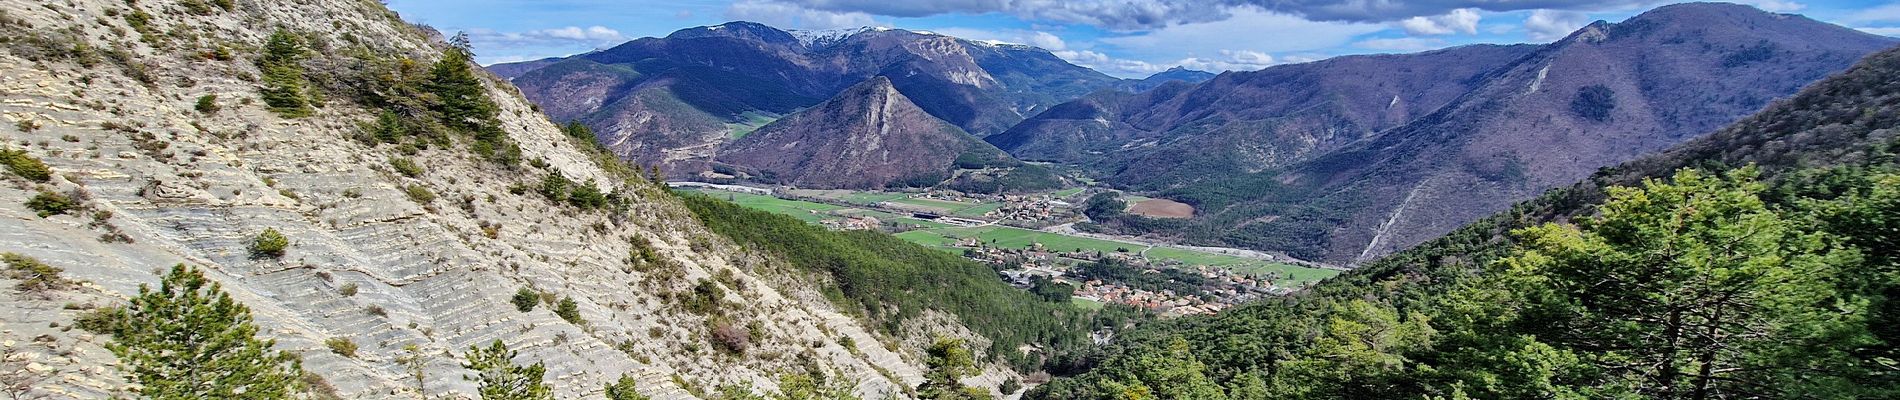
869	136
1312	178
676	100
1176	74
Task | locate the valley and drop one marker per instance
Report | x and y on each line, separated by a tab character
1031	235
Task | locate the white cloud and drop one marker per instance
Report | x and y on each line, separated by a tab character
1227	60
592	36
1250	29
792	16
1463	20
1400	44
1886	13
1550	25
1780	6
1888	31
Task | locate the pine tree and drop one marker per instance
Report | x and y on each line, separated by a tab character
949	362
501	379
624	389
460	97
189	340
285	89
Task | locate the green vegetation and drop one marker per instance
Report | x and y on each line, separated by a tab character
949	361
34	276
342	346
525	299
1594	103
889	280
406	167
419	194
285	90
269	244
569	311
207	104
189	340
19	163
47	204
624	389
501	379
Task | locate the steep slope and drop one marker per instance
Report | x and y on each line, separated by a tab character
1604	95
1318	183
1822	143
869	136
673	100
405	232
1249	121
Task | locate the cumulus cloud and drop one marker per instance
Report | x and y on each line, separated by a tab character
794	16
592	36
1463	20
1550	25
1044	40
1894	31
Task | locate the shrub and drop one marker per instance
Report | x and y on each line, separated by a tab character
406	167
419	194
555	187
269	244
500	378
341	346
731	338
569	311
48	204
34	276
25	165
348	289
525	299
587	196
624	389
207	104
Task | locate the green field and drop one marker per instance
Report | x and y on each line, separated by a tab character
942	236
1067	192
978	210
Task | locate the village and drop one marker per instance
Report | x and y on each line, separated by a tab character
1216	289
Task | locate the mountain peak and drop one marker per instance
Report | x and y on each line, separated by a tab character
827	37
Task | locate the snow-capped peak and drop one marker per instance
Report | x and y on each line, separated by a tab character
826	37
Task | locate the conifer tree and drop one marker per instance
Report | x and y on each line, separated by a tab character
189	340
624	389
284	84
949	362
501	379
460	97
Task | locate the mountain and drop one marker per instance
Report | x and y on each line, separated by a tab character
416	208
675	100
1454	316
1176	74
869	136
1345	187
1248	121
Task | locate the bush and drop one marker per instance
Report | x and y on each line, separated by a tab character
25	166
341	346
730	338
406	167
1594	102
34	276
525	299
48	204
207	104
188	339
570	311
269	244
419	194
348	289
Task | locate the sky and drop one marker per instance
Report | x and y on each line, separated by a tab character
1125	38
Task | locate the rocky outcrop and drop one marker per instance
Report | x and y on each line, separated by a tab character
870	136
164	182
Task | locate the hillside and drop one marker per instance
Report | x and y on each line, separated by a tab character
673	101
1484	311
869	136
1606	94
381	206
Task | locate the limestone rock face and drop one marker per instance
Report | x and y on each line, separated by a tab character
164	183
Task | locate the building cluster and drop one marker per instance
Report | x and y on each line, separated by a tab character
853	223
1222	288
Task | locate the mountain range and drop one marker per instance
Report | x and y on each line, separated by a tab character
1348	159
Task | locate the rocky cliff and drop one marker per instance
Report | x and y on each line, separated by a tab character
150	117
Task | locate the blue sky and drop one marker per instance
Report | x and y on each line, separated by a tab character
1128	38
